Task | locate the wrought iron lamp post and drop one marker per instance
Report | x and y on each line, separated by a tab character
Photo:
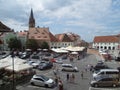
13	82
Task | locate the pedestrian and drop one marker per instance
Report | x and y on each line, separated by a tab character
82	74
67	76
56	80
73	77
60	84
55	72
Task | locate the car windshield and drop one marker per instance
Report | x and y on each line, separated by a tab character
45	78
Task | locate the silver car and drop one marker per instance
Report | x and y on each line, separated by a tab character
107	81
69	68
42	80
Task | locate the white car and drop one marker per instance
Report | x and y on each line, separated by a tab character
59	61
69	68
34	64
42	80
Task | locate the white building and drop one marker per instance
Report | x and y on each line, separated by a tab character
106	42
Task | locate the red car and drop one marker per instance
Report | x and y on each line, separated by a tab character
52	60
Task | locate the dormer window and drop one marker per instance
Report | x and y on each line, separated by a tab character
43	33
39	36
45	36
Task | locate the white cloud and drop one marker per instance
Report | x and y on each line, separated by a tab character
14	24
92	16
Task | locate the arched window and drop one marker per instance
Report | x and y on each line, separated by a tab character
109	48
113	48
101	47
97	47
105	47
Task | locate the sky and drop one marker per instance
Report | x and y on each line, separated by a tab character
87	18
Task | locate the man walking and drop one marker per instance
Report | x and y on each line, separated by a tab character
67	76
82	74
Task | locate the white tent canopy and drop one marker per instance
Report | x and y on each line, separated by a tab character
9	61
58	50
18	67
74	49
74	52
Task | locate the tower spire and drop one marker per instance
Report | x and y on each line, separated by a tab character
31	20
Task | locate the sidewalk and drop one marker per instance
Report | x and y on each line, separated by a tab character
95	52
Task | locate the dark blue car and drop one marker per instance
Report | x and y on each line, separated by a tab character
45	65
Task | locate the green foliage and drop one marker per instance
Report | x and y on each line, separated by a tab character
14	43
31	44
44	45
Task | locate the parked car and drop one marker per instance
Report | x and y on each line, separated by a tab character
53	60
117	59
56	60
59	61
45	65
100	66
42	80
107	72
33	63
35	57
100	62
69	68
64	57
2	52
106	81
24	55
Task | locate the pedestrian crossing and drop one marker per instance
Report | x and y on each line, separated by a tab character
92	88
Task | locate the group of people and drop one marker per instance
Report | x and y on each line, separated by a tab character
70	77
58	80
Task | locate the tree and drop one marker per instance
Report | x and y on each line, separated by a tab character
14	43
44	45
32	44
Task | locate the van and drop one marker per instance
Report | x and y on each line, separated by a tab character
106	81
106	72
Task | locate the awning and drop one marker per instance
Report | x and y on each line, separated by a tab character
59	50
9	61
19	67
74	52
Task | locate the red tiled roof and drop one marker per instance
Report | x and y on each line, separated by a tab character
4	28
63	37
52	37
98	39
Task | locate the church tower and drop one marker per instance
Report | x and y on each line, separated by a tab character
31	20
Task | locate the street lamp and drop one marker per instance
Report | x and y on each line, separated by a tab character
13	83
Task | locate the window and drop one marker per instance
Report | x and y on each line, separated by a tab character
39	36
109	48
45	36
39	79
43	33
113	48
101	73
32	37
112	72
105	47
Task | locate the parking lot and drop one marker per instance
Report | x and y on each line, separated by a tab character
79	84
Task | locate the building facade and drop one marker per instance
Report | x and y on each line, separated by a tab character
42	34
106	42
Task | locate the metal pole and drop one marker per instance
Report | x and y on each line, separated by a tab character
13	86
13	71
